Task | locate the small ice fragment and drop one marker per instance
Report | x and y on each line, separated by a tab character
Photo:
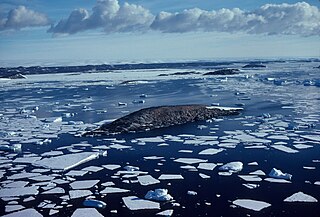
250	178
76	173
211	151
81	212
131	168
83	184
153	158
190	160
147	180
204	176
111	166
193	193
300	197
24	213
207	166
258	173
122	104
16	184
118	146
158	195
251	204
170	176
253	164
317	182
251	186
166	213
278	174
232	167
276	180
284	149
94	203
57	190
79	193
92	169
311	137
111	190
135	203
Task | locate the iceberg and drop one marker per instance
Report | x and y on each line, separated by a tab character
300	197
232	167
158	195
278	174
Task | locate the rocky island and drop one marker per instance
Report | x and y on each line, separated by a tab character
161	117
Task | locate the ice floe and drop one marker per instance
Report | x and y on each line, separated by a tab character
166	213
284	149
15	192
81	212
190	160
251	204
232	167
113	190
147	180
158	195
278	174
207	166
79	193
24	213
135	203
83	184
210	151
300	197
170	176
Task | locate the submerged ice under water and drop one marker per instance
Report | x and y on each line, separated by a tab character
56	169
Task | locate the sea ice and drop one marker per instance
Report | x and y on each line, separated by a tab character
251	186
204	176
135	203
158	195
15	192
81	212
57	190
232	167
11	208
92	169
284	149
166	213
24	213
83	184
250	178
170	176
211	151
190	160
111	166
207	166
311	137
300	197
147	180
258	173
66	162
79	193
251	204
112	190
276	180
278	174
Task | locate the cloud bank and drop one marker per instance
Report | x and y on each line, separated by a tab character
22	17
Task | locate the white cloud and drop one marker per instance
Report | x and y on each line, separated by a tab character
22	17
109	16
287	19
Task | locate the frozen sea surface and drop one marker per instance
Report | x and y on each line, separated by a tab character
56	169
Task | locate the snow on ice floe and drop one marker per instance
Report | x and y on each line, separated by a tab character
25	213
79	193
158	195
170	176
135	203
66	162
81	212
255	205
113	190
83	184
15	192
147	180
232	167
190	160
278	174
211	151
300	197
284	149
207	166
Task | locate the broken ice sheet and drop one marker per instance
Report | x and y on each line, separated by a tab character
92	168
147	180
190	160
57	190
83	184
76	173
170	176
66	162
135	203
251	204
25	213
158	195
300	197
81	212
79	193
15	192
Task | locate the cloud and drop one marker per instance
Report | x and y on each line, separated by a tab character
288	19
22	17
109	16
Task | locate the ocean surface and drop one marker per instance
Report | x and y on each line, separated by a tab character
46	113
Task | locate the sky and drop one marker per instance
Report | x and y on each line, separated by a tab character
44	32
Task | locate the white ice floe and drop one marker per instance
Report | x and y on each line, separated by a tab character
317	182
66	162
278	174
258	173
153	158
232	167
225	108
135	203
118	146
302	146
250	178
166	213
76	173
207	166
190	160
300	197
276	180
157	139
92	169
211	151
16	184
11	208
251	204
147	180
204	176
81	212
311	137
193	193
111	166
284	149
79	193
170	176
16	192
83	184
113	190
279	137
94	203
131	168
251	186
25	213
158	195
26	159
57	190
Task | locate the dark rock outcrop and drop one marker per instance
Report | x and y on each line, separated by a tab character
254	65
224	72
161	117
